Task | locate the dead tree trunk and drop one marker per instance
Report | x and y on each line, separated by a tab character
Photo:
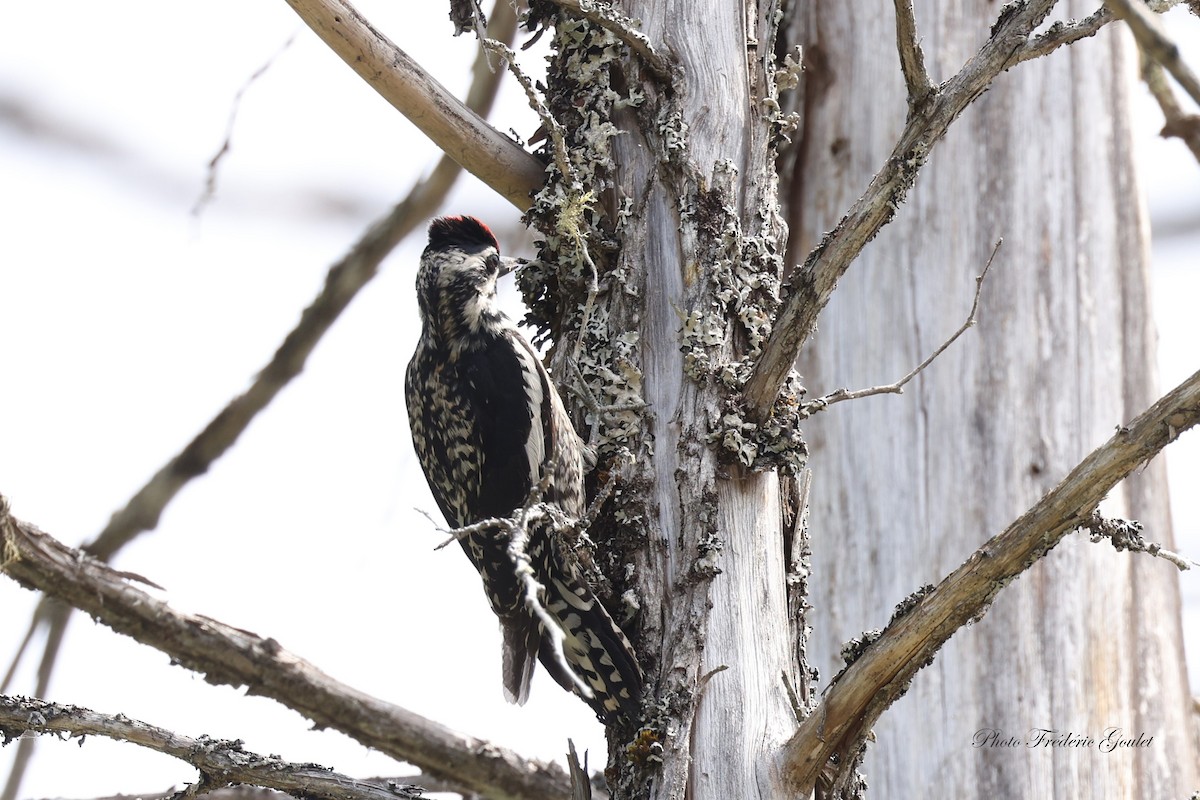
688	188
905	487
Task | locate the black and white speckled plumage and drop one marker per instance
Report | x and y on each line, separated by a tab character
486	420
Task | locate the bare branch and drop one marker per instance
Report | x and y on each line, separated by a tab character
912	58
1177	122
867	687
462	134
622	27
228	655
210	181
1064	33
220	762
1153	40
246	792
813	283
821	403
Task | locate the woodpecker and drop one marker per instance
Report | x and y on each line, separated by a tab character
488	426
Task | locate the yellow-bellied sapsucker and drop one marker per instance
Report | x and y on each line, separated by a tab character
487	425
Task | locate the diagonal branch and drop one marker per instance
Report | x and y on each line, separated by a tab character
144	509
1153	40
813	283
1176	121
1064	33
867	687
228	655
220	762
342	285
462	134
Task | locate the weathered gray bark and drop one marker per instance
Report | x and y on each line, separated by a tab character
905	487
690	184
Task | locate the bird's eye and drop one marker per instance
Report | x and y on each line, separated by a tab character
492	262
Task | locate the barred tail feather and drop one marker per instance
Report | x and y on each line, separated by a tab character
596	649
522	636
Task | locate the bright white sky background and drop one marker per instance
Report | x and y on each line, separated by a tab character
126	323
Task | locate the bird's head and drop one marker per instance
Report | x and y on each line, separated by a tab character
456	284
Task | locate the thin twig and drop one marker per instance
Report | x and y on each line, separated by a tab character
1148	29
821	403
210	181
1064	33
535	512
457	534
912	58
228	655
852	704
517	529
220	762
606	489
554	129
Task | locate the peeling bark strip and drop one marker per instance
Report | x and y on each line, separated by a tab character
228	655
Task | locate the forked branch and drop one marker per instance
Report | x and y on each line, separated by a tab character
813	283
912	57
1176	121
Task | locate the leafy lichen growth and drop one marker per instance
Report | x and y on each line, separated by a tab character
576	254
744	270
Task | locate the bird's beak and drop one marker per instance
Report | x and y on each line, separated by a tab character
508	265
